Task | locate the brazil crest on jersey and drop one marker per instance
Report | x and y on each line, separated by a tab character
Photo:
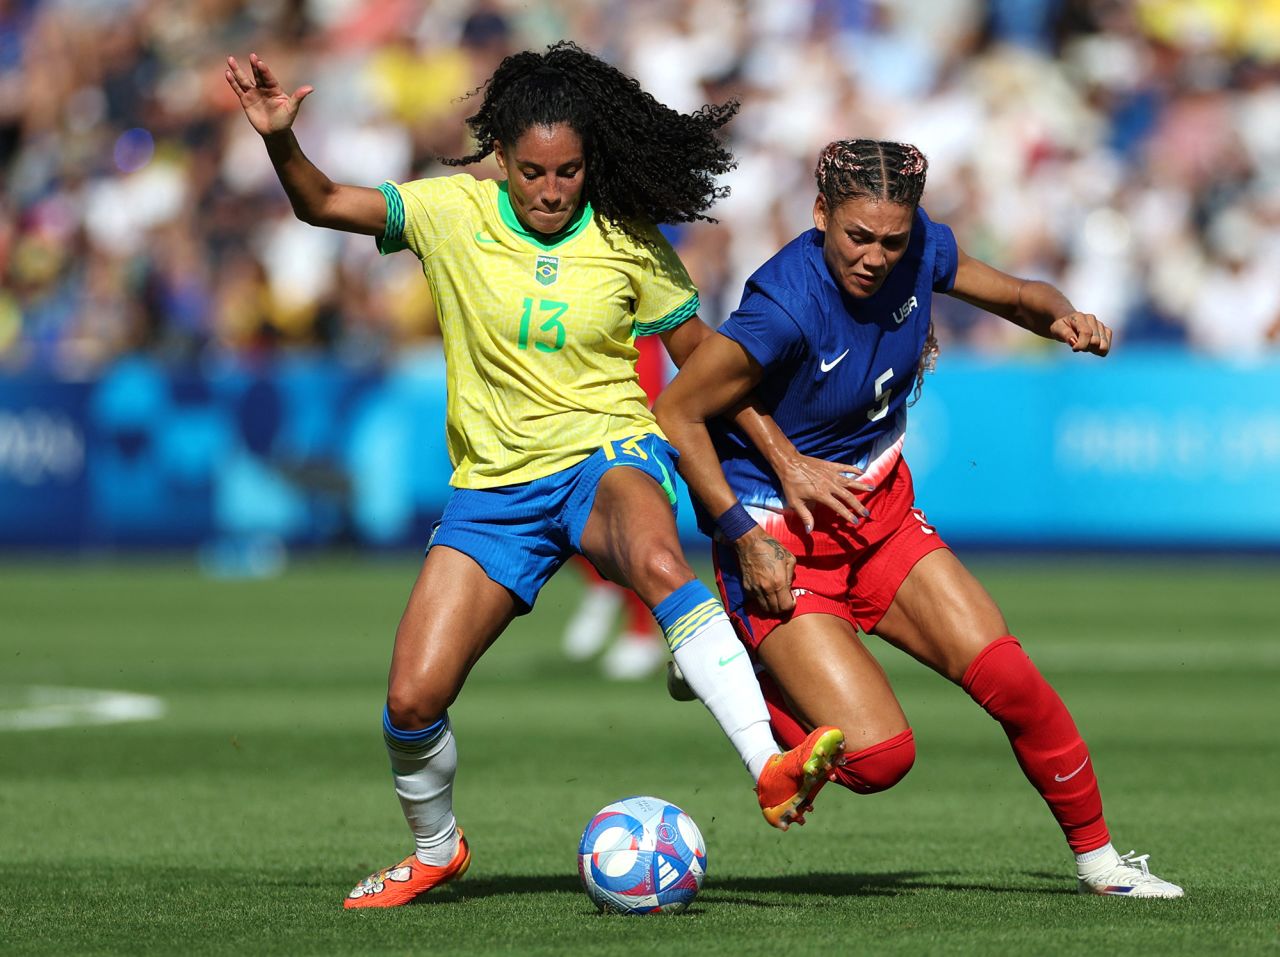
838	371
538	331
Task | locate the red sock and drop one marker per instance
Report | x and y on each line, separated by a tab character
880	766
1045	741
787	731
640	619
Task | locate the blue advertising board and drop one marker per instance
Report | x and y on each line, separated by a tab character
1145	451
1160	451
43	487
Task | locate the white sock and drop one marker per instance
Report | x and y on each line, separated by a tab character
1107	851
718	669
424	783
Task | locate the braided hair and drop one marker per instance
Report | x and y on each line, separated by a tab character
646	163
882	171
877	169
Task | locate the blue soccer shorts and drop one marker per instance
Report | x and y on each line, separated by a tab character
521	534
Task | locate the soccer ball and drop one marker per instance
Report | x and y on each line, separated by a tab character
642	855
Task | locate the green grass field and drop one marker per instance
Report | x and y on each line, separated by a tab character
235	823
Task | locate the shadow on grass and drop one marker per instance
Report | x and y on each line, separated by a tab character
751	891
887	884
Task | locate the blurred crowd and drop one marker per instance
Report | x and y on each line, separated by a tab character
1127	151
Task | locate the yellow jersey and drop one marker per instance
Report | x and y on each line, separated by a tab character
538	331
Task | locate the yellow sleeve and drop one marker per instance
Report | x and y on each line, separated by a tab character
422	214
666	296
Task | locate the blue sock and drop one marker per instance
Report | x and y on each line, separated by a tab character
685	612
411	744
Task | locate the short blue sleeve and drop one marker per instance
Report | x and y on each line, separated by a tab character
946	255
766	330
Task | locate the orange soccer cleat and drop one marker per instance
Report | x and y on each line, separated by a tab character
403	882
790	781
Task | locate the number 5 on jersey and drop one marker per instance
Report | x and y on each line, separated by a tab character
883	395
549	311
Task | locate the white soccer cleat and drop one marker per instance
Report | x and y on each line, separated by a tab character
592	623
633	657
1123	875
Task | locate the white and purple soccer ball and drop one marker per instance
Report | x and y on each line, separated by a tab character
642	855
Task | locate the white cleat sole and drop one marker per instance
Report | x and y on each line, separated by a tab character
1163	889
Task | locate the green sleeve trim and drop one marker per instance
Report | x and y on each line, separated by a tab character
392	238
676	317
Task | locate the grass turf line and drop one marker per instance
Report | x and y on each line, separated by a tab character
236	823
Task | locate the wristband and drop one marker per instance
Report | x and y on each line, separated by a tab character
734	522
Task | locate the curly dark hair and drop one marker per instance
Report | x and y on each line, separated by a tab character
646	163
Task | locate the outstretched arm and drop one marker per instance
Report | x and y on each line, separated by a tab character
315	198
1034	305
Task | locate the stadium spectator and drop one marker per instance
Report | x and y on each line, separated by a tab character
834	334
1124	129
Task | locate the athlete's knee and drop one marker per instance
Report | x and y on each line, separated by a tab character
880	766
659	569
410	707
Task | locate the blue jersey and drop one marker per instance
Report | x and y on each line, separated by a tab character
838	371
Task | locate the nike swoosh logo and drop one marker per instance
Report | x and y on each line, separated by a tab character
482	238
725	661
1060	778
826	366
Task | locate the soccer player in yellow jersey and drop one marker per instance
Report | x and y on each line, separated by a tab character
542	282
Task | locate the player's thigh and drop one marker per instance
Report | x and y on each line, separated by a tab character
829	677
941	615
454	613
631	535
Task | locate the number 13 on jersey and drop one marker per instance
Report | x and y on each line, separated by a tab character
549	312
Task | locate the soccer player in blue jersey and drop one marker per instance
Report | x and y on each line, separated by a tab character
817	534
542	282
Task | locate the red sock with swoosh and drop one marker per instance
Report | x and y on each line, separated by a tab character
1044	737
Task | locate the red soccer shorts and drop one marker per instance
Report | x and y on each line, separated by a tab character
850	571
